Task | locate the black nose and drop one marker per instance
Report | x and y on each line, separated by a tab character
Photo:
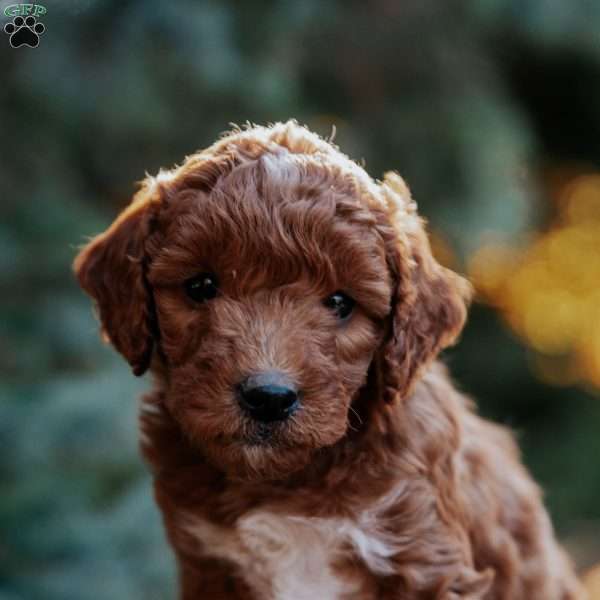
268	397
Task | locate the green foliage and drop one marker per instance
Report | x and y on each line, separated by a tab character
461	98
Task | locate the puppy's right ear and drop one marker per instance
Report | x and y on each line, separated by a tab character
429	305
111	268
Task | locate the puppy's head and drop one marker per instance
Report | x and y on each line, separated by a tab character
261	281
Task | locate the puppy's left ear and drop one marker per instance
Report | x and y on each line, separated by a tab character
111	269
429	304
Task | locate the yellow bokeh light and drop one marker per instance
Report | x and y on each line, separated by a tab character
591	583
548	291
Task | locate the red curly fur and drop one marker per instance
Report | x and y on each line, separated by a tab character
385	484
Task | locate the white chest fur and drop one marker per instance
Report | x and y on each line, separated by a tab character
287	557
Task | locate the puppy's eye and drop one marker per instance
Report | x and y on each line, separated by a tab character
341	304
202	287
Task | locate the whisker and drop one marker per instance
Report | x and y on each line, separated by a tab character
357	415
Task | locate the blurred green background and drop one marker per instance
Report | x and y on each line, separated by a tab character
491	111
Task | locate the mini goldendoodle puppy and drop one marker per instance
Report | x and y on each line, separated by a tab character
305	445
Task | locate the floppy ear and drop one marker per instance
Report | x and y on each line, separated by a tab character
429	304
111	269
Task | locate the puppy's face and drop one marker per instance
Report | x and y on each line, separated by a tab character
270	307
259	282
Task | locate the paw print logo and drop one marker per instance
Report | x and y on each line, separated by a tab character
24	32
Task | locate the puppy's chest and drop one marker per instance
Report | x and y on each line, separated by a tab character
286	557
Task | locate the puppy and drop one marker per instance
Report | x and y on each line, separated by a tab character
305	444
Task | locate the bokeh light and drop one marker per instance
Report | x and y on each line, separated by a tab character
548	289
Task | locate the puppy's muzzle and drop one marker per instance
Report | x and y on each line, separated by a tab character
268	397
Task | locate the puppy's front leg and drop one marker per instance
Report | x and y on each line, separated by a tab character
212	579
458	583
